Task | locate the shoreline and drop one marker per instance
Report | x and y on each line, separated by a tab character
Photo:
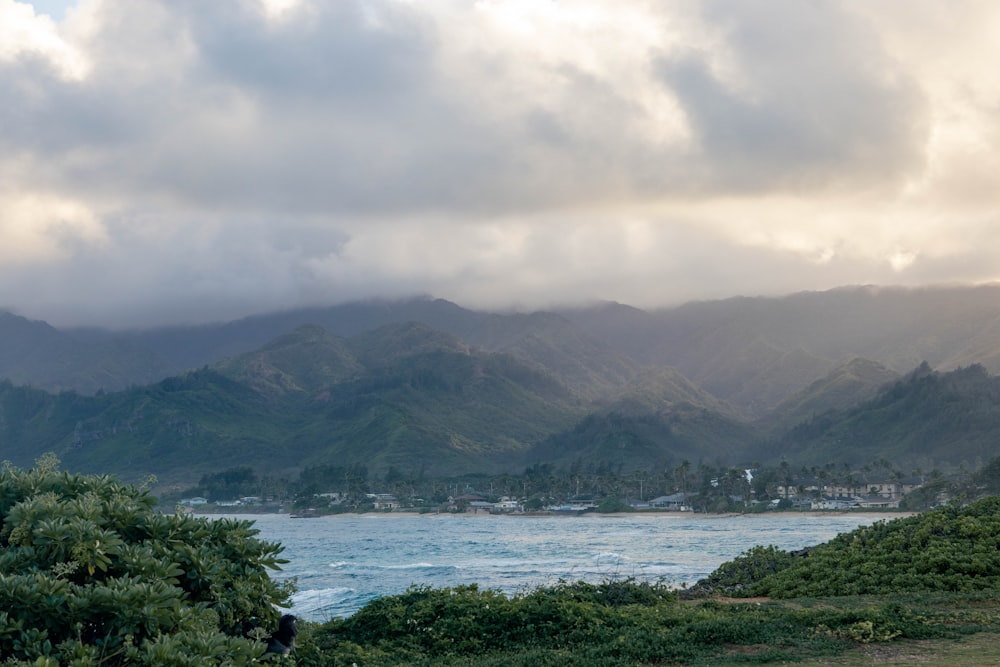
582	515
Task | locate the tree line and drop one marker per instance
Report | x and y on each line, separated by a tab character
705	486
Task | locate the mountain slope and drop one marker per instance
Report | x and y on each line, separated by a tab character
592	369
643	441
752	353
756	352
898	328
844	387
308	360
926	419
404	395
187	347
441	411
37	354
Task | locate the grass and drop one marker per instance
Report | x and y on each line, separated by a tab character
974	651
625	624
969	625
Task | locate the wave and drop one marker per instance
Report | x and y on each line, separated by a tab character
611	557
413	566
322	604
306	601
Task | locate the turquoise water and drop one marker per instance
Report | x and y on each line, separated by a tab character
343	562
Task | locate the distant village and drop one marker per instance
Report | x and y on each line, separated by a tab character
735	491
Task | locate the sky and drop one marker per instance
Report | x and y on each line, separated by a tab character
178	161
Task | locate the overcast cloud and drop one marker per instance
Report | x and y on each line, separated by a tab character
185	161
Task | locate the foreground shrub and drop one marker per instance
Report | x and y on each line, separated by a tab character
947	549
619	624
90	574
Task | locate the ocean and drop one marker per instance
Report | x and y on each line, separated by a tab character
342	562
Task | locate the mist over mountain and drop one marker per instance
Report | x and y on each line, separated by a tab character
844	387
756	352
925	418
811	378
402	395
750	352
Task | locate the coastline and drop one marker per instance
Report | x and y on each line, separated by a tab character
886	514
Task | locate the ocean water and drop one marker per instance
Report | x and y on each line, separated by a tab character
343	562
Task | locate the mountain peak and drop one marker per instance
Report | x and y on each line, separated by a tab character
307	359
392	342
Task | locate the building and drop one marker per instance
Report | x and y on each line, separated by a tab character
677	502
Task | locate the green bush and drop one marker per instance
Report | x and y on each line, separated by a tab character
953	548
90	574
737	575
619	623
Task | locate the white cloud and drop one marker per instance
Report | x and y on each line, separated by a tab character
25	34
36	229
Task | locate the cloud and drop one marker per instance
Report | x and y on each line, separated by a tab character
188	160
25	35
801	96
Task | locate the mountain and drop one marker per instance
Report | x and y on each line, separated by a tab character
755	352
844	387
35	353
402	395
593	369
307	360
443	412
926	419
752	353
655	389
626	442
407	396
187	347
393	342
660	419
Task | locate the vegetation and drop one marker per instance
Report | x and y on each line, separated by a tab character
951	548
410	397
91	574
623	623
395	397
925	417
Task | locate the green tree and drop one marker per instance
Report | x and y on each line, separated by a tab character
90	574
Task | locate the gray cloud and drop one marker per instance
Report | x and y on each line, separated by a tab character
815	102
212	161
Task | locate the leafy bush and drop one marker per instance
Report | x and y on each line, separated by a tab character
91	574
947	549
737	575
619	623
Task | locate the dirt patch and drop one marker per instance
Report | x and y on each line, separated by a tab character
747	649
910	654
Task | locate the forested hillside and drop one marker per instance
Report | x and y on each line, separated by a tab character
403	395
926	419
497	392
751	353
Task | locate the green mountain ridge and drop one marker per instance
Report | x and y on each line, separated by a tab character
925	419
844	387
403	395
750	352
412	398
308	360
496	392
628	442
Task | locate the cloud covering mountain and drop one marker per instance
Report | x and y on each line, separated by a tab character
190	161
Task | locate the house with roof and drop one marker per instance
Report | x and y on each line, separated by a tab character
677	502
